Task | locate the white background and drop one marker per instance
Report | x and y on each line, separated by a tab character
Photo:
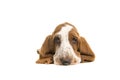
24	24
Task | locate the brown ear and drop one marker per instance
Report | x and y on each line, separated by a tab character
87	54
46	52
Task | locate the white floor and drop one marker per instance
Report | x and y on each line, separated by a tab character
24	25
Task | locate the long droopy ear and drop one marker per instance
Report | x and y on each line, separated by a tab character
87	54
46	52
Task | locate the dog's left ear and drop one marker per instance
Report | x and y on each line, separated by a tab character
86	53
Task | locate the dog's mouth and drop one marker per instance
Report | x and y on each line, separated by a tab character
66	61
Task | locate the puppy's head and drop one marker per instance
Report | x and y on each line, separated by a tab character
66	46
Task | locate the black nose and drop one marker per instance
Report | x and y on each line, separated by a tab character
65	61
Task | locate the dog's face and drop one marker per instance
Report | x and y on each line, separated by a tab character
66	42
65	47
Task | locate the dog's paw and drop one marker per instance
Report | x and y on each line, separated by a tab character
45	61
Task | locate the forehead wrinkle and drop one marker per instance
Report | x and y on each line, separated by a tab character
73	33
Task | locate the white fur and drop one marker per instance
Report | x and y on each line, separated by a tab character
65	48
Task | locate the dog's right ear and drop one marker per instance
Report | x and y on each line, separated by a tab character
46	52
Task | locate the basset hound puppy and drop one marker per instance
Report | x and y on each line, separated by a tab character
65	47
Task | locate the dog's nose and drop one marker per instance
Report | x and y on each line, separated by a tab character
65	61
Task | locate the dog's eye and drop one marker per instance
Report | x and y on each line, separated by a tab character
57	40
74	40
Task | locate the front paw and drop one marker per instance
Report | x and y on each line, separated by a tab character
45	61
